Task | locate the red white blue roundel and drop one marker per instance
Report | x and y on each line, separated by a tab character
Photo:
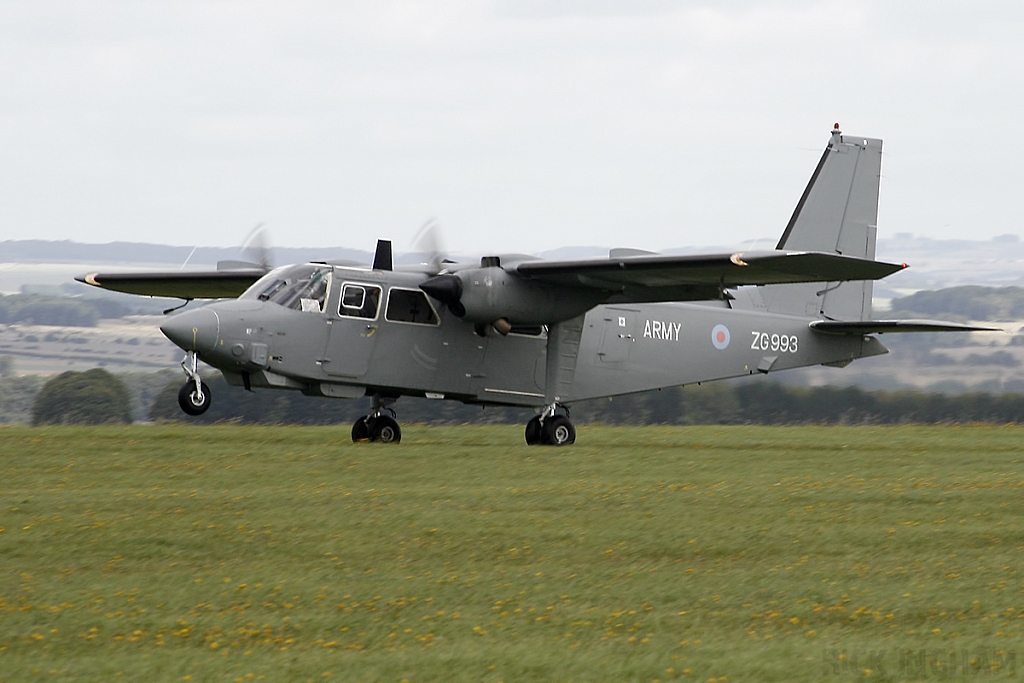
720	337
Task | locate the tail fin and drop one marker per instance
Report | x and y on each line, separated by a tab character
837	213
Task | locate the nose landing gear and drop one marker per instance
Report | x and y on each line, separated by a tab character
551	428
378	425
194	396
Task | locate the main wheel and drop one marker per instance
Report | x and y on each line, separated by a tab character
558	431
189	399
360	430
385	429
534	433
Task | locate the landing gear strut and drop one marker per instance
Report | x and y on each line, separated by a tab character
551	428
194	397
379	425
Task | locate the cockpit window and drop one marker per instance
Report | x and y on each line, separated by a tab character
302	288
271	290
359	301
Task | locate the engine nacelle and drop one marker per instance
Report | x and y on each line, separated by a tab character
484	295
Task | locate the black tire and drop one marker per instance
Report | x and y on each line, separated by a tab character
385	430
534	432
188	398
559	431
360	430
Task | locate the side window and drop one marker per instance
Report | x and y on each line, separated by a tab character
409	306
359	301
353	296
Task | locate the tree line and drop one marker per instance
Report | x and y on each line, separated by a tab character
98	397
970	302
42	309
763	403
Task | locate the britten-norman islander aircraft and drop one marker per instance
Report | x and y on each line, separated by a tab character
515	330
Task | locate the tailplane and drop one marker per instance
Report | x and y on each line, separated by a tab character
837	213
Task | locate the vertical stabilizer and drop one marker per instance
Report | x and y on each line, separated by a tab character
837	214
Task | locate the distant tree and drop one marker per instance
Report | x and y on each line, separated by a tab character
6	366
91	397
19	394
144	387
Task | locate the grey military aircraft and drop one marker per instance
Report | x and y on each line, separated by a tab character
515	330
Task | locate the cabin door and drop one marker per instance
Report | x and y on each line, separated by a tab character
353	330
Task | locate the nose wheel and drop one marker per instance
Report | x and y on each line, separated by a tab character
380	425
551	428
194	396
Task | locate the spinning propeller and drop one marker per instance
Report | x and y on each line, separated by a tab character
254	252
444	287
428	244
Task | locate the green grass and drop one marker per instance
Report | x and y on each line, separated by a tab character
173	553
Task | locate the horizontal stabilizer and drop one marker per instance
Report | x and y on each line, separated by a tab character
883	326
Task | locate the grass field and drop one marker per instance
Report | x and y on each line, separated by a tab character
175	553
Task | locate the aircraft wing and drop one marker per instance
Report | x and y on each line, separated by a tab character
701	271
883	326
212	284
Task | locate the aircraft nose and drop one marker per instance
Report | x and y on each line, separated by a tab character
193	330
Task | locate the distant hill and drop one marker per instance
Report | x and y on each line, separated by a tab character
971	302
986	260
934	264
127	253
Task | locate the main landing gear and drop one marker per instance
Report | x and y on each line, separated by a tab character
551	428
194	396
379	425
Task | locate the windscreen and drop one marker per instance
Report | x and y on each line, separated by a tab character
302	287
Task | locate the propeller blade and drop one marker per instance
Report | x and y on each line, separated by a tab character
428	243
256	247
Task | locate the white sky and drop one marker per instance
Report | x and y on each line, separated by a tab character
521	126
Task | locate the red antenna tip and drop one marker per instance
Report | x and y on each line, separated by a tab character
835	127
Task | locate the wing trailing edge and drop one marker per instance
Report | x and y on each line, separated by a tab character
886	326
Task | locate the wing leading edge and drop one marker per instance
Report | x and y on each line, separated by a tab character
661	278
721	270
220	284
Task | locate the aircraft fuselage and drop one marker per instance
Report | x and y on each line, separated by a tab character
344	351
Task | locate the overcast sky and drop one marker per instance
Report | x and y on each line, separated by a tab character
521	126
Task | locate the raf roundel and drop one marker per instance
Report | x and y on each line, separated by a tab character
720	337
